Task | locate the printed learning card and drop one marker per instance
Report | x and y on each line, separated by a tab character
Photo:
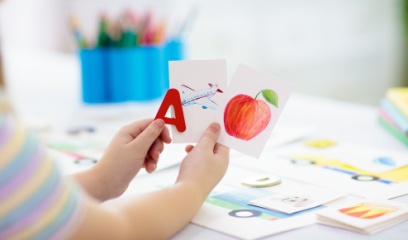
296	201
366	217
226	208
370	173
202	85
366	159
250	110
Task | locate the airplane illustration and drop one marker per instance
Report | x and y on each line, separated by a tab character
201	97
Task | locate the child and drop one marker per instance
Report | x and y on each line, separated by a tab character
37	202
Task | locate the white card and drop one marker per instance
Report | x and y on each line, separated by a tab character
297	200
373	161
366	217
250	110
202	85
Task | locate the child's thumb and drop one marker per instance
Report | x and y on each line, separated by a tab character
210	136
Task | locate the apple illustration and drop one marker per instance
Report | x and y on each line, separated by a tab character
245	117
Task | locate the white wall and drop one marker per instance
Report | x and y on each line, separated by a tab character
34	24
346	49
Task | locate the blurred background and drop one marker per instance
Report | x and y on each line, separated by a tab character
351	50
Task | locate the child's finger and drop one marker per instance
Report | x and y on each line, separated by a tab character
156	148
165	135
210	136
221	150
150	164
135	128
144	141
189	148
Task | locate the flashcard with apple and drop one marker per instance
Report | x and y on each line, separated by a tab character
202	85
251	108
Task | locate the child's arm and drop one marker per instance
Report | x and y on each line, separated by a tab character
161	214
38	203
135	146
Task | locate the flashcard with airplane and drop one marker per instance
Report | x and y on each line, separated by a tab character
201	85
247	109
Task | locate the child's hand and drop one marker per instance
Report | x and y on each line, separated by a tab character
207	162
135	146
139	144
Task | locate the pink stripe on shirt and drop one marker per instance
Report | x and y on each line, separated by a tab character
14	184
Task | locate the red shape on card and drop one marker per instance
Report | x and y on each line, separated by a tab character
172	97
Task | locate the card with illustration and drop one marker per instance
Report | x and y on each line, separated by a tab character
374	160
366	159
368	217
297	200
250	110
202	85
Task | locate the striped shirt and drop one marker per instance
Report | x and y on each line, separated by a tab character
36	201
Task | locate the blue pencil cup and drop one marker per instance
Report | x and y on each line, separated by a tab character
128	75
138	85
94	73
155	60
175	50
136	74
111	75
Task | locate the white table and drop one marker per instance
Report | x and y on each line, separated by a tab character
333	120
45	89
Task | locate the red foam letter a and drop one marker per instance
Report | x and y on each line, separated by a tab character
172	98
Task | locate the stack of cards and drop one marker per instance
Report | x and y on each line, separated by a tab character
247	109
297	200
367	217
393	113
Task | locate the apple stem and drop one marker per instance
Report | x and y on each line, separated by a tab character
257	95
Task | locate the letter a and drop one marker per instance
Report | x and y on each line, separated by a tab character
172	98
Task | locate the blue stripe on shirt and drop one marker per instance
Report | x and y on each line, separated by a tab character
20	160
67	211
50	184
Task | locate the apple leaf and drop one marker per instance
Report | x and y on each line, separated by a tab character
270	96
